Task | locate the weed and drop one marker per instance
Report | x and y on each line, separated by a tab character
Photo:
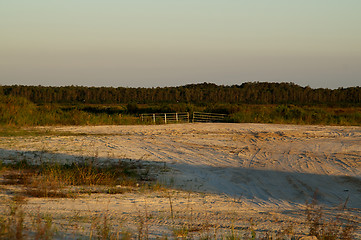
54	180
104	229
12	227
143	225
43	225
337	228
171	207
181	232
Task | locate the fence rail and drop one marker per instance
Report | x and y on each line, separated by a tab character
208	117
165	117
182	117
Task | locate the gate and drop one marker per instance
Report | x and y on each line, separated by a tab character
165	117
208	117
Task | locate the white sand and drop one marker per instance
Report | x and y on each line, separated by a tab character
270	169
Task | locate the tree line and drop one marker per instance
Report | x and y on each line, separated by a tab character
203	93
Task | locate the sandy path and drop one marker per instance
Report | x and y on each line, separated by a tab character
270	166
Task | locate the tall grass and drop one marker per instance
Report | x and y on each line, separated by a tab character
290	114
18	223
17	111
54	180
341	227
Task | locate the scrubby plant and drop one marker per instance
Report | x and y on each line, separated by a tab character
12	226
43	226
54	179
341	227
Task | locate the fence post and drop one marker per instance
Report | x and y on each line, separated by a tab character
154	118
176	117
165	118
188	116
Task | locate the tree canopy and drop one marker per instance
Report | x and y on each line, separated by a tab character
204	93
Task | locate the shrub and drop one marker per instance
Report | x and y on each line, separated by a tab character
339	228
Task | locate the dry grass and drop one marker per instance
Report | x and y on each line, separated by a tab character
14	224
341	227
56	180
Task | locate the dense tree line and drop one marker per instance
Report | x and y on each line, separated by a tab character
205	93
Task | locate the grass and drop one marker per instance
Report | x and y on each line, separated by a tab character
20	112
17	131
19	223
341	227
52	180
291	114
66	180
12	226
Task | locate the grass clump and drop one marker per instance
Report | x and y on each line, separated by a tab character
65	180
43	226
12	223
340	227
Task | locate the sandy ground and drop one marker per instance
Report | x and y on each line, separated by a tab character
228	176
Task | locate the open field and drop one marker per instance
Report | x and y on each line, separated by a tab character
223	178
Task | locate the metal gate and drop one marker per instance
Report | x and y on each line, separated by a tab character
208	117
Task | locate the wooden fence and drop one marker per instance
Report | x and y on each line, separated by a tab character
208	117
182	117
165	117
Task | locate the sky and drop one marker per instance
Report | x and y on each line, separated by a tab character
151	43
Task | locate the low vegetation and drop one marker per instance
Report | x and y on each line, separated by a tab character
248	102
341	227
291	114
18	112
68	180
22	106
17	223
50	180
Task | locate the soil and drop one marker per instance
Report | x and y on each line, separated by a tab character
221	178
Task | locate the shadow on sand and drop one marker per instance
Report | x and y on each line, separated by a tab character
252	184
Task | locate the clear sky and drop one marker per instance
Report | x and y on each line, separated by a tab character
150	43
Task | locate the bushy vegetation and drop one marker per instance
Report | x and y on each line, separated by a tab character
55	180
249	102
205	93
341	227
291	114
18	111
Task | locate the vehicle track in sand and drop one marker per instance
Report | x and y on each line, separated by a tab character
260	162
